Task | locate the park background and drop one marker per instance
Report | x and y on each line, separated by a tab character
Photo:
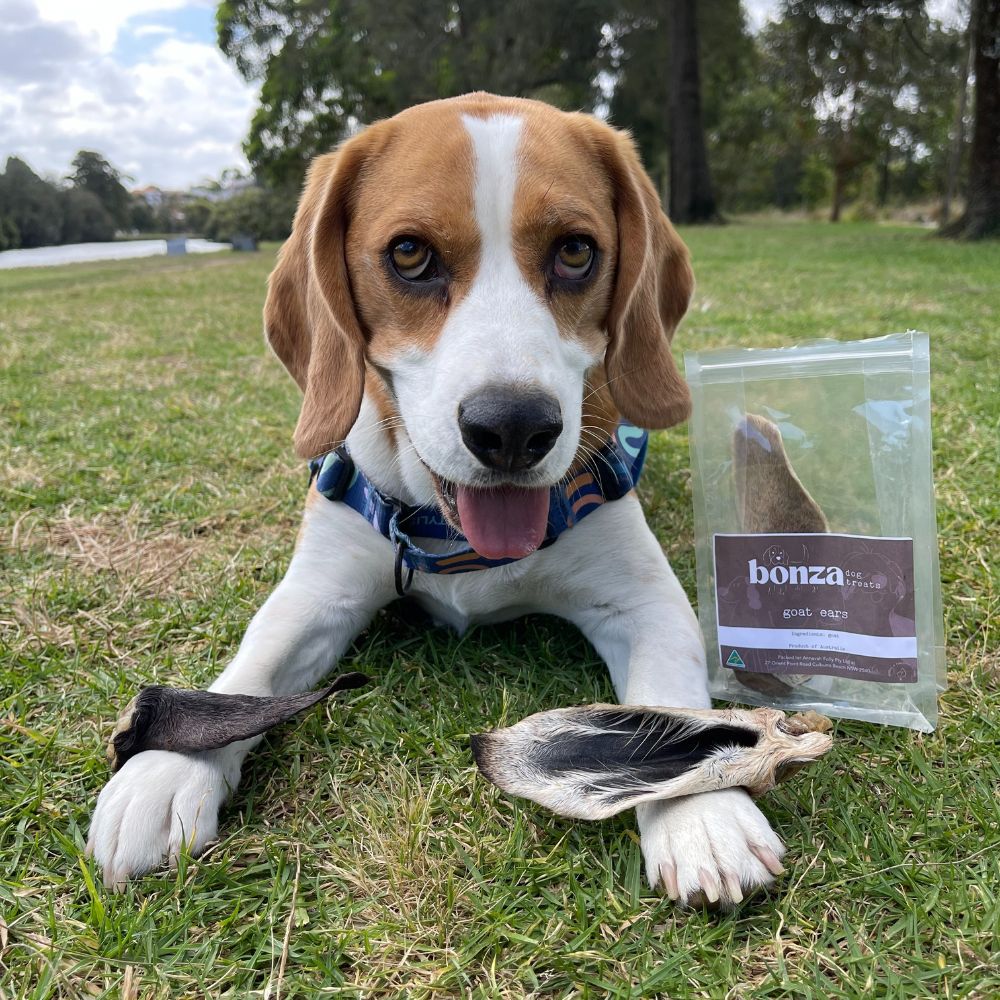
149	500
848	109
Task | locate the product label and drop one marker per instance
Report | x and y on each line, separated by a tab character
817	604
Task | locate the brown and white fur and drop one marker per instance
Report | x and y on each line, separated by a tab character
493	185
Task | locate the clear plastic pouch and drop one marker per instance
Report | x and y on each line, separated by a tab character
815	529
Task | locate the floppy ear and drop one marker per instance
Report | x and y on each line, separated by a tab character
653	287
309	316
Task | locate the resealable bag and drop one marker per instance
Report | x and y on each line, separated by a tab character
815	530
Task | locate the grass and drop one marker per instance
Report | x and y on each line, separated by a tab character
149	503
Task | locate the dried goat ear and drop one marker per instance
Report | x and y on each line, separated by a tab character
769	494
186	721
599	760
770	498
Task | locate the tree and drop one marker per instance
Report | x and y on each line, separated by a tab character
327	66
31	205
93	173
982	209
10	238
635	56
84	219
957	138
863	69
142	218
264	215
35	212
691	195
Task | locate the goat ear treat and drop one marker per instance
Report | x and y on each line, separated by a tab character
599	760
186	721
769	495
770	498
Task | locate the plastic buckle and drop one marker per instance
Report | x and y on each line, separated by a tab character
346	474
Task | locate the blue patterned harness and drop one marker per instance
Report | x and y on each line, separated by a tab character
610	475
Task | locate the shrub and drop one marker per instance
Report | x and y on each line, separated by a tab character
10	238
262	214
84	218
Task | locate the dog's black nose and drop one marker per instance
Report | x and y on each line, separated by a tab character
509	430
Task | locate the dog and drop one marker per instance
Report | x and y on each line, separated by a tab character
475	293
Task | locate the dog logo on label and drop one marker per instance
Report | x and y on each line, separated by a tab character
775	555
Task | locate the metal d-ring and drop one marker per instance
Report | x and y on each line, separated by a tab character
401	588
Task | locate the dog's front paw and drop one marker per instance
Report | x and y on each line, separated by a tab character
156	804
714	848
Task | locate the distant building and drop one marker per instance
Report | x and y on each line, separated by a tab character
151	195
224	191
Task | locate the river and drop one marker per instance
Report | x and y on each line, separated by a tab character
78	253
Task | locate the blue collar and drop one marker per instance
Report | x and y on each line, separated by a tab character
611	474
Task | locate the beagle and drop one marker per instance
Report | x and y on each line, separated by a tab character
474	295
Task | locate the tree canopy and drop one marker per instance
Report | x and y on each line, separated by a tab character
94	175
326	66
876	76
837	100
35	212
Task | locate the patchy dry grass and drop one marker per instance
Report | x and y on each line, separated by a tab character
139	560
150	501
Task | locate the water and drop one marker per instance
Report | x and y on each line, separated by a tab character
77	253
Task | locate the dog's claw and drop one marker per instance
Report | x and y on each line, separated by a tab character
668	880
709	885
768	859
733	887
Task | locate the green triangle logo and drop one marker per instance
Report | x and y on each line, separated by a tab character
735	660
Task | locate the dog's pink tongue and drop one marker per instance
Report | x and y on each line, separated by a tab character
505	523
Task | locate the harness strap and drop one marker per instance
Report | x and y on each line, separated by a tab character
611	474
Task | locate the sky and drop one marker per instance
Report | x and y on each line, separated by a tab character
143	83
140	81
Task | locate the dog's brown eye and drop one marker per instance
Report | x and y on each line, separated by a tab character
412	259
574	257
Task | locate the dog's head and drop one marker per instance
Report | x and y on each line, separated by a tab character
502	276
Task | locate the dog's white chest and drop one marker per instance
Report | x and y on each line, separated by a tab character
477	598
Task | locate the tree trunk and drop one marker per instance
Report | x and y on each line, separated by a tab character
982	208
691	197
958	139
882	195
840	171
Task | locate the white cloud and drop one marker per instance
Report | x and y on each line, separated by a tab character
174	116
145	30
102	20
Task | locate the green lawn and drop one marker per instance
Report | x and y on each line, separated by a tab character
150	500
